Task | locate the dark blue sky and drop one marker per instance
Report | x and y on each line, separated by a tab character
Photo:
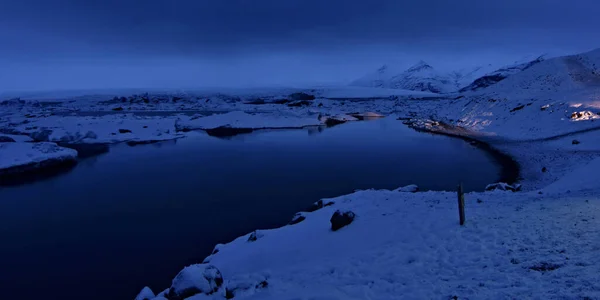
168	43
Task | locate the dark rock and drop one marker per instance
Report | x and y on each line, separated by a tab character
145	126
319	204
297	219
503	187
575	142
145	142
545	267
117	108
263	284
299	103
281	101
340	219
255	235
41	136
124	131
229	294
320	105
517	108
227	131
6	139
301	96
544	170
257	101
330	122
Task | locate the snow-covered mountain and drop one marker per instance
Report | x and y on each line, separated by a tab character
423	77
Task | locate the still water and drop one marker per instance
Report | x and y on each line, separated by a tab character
136	215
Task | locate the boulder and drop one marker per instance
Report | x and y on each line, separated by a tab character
124	131
413	188
299	217
501	186
341	219
145	294
195	279
575	142
6	139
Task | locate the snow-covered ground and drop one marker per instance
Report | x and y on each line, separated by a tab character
17	157
538	243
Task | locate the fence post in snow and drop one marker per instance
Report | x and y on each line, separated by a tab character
461	204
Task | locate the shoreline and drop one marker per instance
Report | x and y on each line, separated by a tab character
510	167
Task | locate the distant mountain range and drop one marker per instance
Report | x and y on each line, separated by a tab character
423	77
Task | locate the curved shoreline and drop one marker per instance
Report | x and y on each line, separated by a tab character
510	169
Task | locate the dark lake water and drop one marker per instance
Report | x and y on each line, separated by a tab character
136	215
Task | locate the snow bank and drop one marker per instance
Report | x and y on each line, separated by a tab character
14	155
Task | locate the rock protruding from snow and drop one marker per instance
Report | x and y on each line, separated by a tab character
145	294
501	186
195	279
320	204
412	188
255	235
331	121
341	219
299	217
583	115
6	139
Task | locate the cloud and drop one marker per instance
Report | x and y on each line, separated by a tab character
337	37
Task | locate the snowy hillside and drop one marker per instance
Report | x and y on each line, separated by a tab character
556	75
498	75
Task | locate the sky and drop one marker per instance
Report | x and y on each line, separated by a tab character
75	44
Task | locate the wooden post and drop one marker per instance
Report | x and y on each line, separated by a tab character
461	204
